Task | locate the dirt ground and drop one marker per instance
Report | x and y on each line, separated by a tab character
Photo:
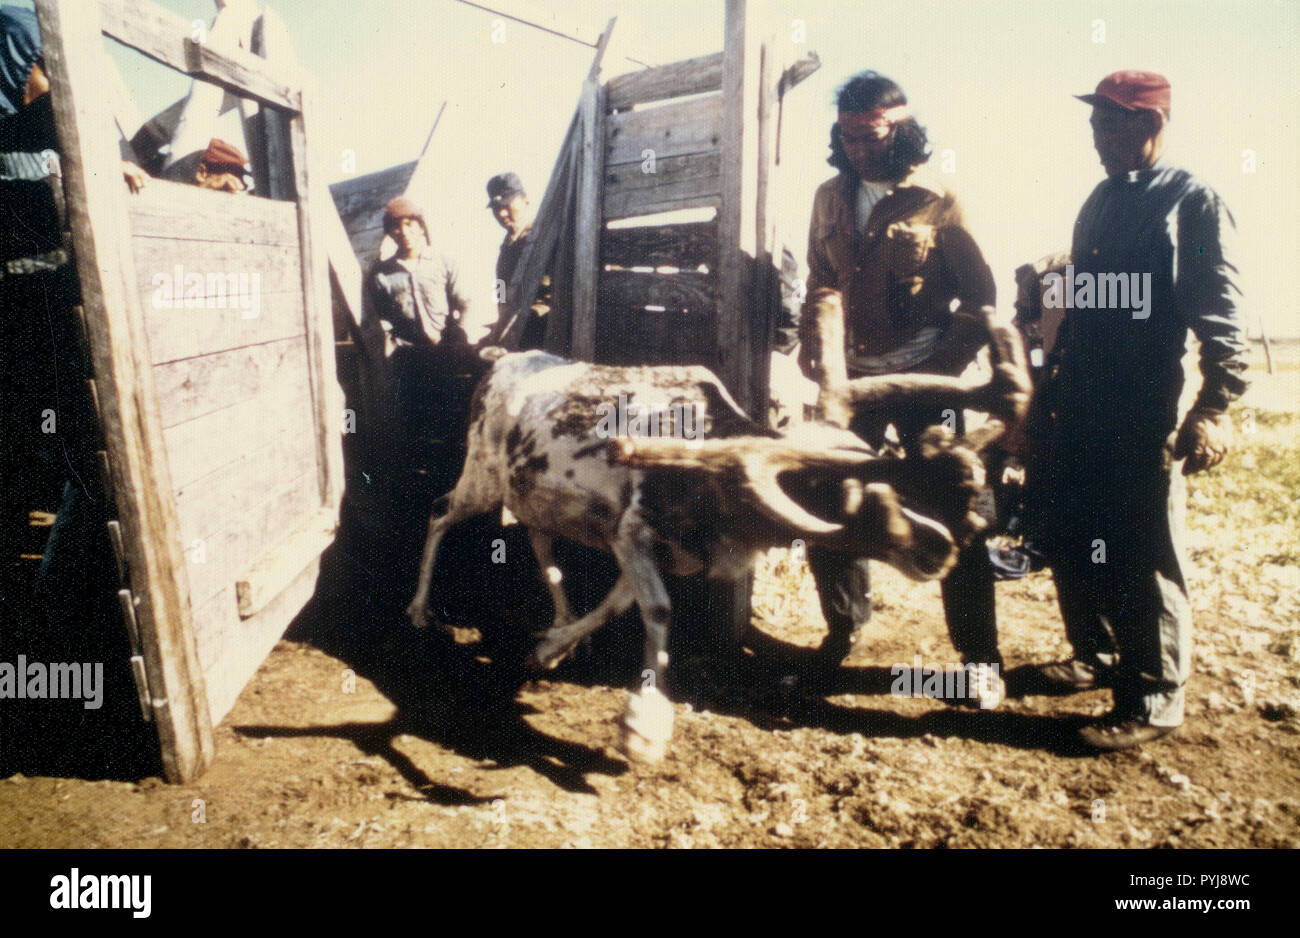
360	733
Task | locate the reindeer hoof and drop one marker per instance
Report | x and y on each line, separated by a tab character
546	658
647	726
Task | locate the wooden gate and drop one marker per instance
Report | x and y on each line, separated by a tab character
629	288
221	420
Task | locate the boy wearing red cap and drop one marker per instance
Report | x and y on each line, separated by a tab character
414	346
1119	450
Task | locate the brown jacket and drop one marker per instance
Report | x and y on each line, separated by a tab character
903	273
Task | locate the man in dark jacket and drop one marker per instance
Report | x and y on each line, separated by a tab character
509	205
1151	260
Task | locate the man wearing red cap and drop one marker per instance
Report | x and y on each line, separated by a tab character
1118	449
415	294
412	339
222	167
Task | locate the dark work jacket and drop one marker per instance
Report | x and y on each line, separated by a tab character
29	219
1120	377
507	262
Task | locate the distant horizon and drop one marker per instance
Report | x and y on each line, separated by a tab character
992	85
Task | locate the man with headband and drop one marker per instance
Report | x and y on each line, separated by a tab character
913	281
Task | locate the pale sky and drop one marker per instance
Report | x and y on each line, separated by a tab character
991	80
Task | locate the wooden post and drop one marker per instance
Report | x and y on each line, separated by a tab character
589	220
743	250
327	397
767	257
736	218
73	51
540	250
270	41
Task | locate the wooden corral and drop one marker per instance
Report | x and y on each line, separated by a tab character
628	288
700	134
221	420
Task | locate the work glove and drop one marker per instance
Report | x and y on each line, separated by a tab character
1203	440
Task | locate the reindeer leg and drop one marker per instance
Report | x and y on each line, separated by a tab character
464	502
560	640
648	717
551	574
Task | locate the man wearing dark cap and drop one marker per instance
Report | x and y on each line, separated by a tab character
1119	450
510	206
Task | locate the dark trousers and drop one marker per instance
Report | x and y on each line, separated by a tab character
844	582
45	417
1120	570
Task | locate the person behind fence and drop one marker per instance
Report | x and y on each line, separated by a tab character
510	207
895	244
222	167
47	423
413	342
1118	451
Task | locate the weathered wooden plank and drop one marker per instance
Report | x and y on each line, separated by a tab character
540	251
690	76
178	334
679	182
192	387
327	396
587	222
241	273
227	554
272	574
201	446
176	212
231	649
343	264
676	129
166	37
680	292
73	54
232	491
687	246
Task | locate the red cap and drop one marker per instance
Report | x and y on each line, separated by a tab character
220	153
1133	91
399	208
